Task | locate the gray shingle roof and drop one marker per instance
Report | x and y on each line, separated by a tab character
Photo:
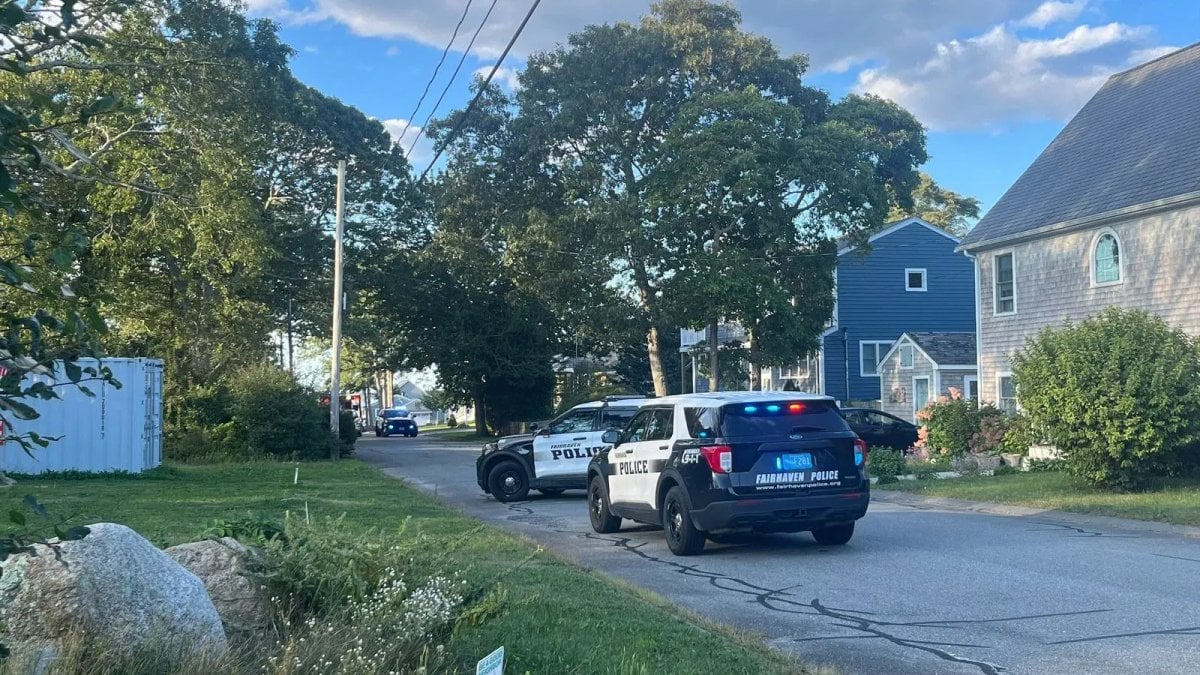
947	349
1136	141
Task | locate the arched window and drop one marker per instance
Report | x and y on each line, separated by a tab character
1106	260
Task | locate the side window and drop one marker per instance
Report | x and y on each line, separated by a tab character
854	418
881	419
636	431
701	422
661	425
1004	292
616	418
574	422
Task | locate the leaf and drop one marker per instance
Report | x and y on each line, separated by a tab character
18	409
34	505
74	372
16	518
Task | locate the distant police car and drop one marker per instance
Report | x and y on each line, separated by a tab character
395	421
705	464
555	458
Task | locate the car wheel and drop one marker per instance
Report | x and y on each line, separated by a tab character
551	492
385	434
682	536
834	535
414	433
603	521
508	483
377	434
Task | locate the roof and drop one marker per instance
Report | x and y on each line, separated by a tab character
845	246
1134	145
943	349
723	397
615	402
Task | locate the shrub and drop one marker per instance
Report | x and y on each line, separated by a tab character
1047	465
1020	435
950	421
992	427
1005	470
885	463
452	422
1117	394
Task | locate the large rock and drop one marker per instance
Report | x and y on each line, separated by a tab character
113	587
224	566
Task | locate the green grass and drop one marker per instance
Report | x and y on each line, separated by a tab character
1171	501
557	618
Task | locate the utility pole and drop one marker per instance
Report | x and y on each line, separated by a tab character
335	395
291	345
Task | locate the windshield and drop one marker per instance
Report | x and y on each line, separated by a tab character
393	413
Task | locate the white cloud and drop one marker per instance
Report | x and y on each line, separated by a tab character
1053	12
999	76
423	151
310	49
505	77
393	51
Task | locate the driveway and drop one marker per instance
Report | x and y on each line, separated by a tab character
918	589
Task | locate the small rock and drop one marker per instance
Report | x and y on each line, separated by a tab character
112	586
223	565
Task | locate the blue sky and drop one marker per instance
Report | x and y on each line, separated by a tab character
992	80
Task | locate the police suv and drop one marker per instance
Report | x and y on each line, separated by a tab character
705	464
553	458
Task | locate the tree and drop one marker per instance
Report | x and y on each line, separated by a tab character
941	207
622	115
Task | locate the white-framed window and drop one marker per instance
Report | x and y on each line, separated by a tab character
1004	284
1106	259
920	393
870	352
906	357
971	387
798	371
1006	393
915	279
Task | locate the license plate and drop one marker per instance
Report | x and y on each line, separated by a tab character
796	462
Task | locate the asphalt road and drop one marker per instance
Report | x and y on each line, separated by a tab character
918	589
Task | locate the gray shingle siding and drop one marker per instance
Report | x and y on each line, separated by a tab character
1136	141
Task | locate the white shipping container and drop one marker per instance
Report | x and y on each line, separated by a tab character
117	430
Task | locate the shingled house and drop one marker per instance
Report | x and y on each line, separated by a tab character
923	366
1108	215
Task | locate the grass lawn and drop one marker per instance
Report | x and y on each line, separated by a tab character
1172	501
557	618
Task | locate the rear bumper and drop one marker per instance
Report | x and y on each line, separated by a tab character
782	514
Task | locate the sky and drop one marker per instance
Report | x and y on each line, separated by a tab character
993	81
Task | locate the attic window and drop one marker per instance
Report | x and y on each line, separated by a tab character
914	280
906	357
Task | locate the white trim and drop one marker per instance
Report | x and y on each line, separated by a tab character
995	296
907	339
967	387
912	356
900	225
821	369
833	328
879	359
928	392
978	319
937	384
924	279
1091	259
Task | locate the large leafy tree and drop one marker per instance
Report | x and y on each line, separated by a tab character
938	206
625	117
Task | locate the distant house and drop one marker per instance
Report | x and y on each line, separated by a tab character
408	396
1108	214
909	279
923	366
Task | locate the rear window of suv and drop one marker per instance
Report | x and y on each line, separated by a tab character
767	418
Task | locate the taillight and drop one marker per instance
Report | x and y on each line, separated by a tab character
860	451
719	457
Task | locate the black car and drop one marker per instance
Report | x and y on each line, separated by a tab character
395	421
880	429
702	465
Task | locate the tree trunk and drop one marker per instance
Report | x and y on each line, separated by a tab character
649	301
755	369
714	356
657	374
480	416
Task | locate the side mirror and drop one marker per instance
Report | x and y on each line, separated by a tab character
533	428
611	437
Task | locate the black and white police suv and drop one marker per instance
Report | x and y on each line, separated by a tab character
553	458
706	464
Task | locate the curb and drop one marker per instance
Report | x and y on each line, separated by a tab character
1141	527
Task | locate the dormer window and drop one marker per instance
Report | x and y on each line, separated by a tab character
1106	259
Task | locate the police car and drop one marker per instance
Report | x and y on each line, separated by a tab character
553	458
700	465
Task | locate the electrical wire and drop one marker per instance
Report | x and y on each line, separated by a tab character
479	94
453	76
453	36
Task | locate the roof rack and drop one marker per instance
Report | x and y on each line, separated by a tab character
621	397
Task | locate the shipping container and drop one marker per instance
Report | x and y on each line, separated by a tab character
118	429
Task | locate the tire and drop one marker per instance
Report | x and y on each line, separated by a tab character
414	433
385	434
377	434
682	536
551	492
507	482
603	521
834	535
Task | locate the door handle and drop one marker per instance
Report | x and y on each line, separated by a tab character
664	447
581	438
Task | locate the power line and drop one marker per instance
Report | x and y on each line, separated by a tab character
453	36
453	76
479	94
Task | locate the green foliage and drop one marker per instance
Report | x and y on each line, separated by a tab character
254	529
993	428
886	463
950	424
1047	465
32	524
1117	394
941	207
1005	470
1020	435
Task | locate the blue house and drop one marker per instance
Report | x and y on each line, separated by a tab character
908	280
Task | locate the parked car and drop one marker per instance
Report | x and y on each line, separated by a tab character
395	421
701	465
555	457
880	429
